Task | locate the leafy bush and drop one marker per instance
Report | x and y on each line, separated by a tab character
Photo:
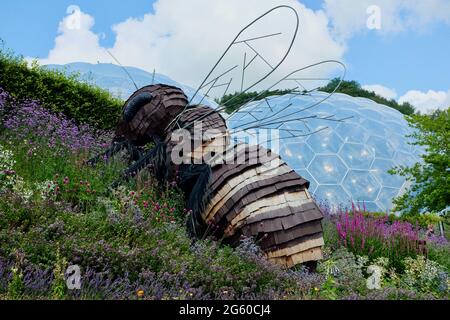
354	89
430	179
374	237
423	220
425	275
131	242
344	272
440	254
235	100
58	92
130	239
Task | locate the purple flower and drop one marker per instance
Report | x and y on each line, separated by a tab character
29	120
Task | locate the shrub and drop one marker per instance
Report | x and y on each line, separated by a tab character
425	276
58	92
430	179
354	89
344	271
374	237
440	254
131	239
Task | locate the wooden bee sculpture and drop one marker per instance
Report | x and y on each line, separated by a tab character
237	190
232	190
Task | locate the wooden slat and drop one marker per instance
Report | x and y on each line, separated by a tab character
313	254
152	118
234	185
271	203
312	242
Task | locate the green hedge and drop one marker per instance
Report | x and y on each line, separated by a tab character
423	220
354	89
58	92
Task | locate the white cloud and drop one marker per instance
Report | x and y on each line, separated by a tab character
381	91
426	102
183	39
349	17
76	41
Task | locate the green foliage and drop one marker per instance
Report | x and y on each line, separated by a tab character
422	221
430	180
347	275
441	255
58	92
343	271
139	226
235	100
59	287
425	276
354	89
16	286
329	290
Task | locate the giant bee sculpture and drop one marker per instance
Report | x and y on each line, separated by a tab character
232	190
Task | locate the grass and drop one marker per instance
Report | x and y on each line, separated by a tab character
56	211
126	232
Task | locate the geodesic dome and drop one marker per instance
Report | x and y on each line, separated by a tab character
350	160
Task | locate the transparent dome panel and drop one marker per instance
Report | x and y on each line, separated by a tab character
357	156
298	155
327	169
347	160
362	185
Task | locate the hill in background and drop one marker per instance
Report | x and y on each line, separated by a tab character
113	78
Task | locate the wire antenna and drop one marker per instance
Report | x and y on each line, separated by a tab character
123	68
153	76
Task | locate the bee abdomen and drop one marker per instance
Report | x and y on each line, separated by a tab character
260	196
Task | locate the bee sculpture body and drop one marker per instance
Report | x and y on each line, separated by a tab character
258	196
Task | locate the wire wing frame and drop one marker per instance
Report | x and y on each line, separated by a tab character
211	81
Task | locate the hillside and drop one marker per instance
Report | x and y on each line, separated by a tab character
115	79
130	242
354	89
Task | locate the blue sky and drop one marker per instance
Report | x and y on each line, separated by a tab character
415	59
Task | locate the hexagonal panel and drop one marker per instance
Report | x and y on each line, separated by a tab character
368	144
350	132
312	182
368	206
327	169
361	185
357	156
325	142
297	155
386	196
374	127
379	170
351	115
381	147
404	159
334	195
399	142
371	114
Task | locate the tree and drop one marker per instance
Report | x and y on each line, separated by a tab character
354	89
235	100
431	179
